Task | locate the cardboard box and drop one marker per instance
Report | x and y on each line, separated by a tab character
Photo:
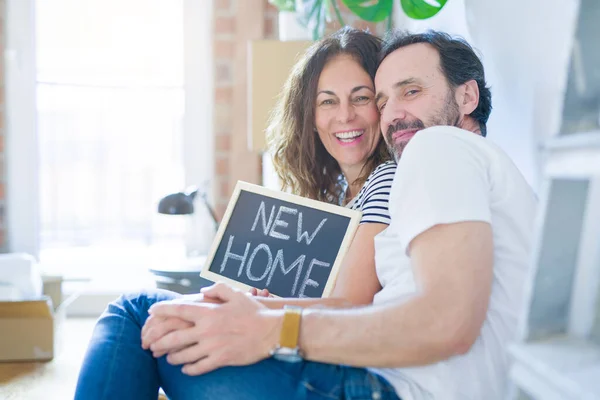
29	330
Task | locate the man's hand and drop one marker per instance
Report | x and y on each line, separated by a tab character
156	328
240	331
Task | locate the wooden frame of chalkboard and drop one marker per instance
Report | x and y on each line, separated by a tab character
279	233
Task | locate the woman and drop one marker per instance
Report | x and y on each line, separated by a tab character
327	146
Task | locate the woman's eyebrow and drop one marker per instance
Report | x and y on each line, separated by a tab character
356	89
329	92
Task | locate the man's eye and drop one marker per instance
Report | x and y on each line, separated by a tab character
381	107
412	92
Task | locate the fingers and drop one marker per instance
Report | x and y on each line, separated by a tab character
186	355
193	297
203	366
174	341
213	347
157	327
196	352
220	291
158	354
189	311
259	292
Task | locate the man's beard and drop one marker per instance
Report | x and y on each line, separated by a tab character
448	115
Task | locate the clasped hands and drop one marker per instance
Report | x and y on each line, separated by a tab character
221	326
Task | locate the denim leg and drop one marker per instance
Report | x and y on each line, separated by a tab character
115	365
361	384
272	379
326	381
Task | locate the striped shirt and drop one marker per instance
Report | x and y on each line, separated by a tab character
373	197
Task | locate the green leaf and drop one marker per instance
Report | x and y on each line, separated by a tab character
308	12
370	10
284	5
314	15
422	9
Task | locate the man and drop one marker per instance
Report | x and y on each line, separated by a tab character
452	265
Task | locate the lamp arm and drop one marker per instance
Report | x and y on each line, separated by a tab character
211	210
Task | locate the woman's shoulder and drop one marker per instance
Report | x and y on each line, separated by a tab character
373	197
379	182
386	165
386	169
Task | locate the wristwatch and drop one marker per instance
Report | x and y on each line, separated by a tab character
288	349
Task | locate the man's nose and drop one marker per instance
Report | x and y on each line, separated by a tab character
392	113
346	113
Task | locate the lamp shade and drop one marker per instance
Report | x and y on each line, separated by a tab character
179	203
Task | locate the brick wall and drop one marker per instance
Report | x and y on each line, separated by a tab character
236	22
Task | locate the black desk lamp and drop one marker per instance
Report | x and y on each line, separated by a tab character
182	203
184	278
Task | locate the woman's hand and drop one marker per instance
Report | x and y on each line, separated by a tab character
260	292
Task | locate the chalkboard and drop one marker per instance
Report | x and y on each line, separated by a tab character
288	244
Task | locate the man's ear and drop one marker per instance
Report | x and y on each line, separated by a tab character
468	97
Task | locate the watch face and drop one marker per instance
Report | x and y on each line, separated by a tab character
288	355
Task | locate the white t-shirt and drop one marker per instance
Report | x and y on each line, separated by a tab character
448	175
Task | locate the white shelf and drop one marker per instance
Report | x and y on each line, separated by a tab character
573	156
560	368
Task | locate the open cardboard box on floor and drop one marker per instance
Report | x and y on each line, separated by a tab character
29	329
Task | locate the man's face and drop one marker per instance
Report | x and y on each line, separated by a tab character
413	94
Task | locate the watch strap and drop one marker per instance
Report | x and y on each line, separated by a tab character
290	330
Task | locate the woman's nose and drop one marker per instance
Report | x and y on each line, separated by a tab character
346	113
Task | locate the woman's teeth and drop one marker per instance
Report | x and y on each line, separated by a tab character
347	137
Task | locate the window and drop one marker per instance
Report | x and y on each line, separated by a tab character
111	99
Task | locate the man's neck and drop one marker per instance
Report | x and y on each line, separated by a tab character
469	124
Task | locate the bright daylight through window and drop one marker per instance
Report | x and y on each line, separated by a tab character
110	104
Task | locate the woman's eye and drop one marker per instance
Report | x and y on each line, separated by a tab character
362	99
327	102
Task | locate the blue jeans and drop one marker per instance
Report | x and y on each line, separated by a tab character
116	367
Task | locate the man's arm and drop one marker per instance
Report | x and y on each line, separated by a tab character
453	264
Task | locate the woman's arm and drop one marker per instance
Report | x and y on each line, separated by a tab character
357	281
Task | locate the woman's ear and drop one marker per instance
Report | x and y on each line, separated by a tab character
468	97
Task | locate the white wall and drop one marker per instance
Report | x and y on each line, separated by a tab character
525	47
21	154
198	130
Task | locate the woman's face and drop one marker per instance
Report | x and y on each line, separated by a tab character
345	113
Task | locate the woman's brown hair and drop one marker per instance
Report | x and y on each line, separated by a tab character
299	157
